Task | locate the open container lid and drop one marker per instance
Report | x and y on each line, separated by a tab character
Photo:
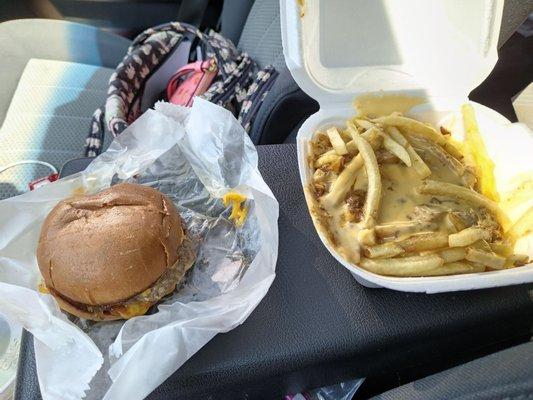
440	49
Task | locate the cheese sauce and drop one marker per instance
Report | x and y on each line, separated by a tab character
400	200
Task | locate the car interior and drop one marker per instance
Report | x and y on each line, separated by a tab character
317	334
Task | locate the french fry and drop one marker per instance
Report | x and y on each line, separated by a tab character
319	175
522	227
404	266
397	135
516	260
424	241
327	153
469	178
364	124
403	228
374	137
467	195
455	222
468	236
367	237
476	147
416	161
490	260
326	159
412	127
520	194
453	254
345	135
386	250
452	150
418	164
478	267
453	164
361	181
350	147
502	249
344	182
335	166
396	149
336	141
352	128
455	268
373	194
482	245
448	223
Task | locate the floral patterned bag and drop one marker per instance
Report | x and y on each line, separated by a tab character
240	85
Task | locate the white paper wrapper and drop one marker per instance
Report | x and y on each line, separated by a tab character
193	155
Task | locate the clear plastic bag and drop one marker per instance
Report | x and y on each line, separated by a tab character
194	156
340	391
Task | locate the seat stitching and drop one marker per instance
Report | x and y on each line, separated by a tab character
267	30
252	16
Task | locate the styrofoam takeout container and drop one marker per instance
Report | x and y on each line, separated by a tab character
438	50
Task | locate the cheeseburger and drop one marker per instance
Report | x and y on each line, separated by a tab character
113	254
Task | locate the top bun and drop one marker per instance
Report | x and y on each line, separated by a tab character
106	248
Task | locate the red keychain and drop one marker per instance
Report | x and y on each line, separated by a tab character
181	88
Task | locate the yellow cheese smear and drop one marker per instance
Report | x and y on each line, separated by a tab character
132	310
238	213
477	150
381	105
42	288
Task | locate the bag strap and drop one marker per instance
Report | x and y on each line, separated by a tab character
239	87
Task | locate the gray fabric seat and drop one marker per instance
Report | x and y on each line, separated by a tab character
507	374
53	40
64	104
